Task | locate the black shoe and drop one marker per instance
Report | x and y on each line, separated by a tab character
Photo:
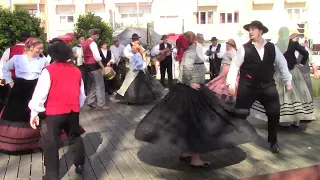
205	165
274	148
185	158
79	169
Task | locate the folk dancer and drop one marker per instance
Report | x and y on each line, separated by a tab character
191	118
144	88
215	54
93	65
166	64
55	106
257	61
218	84
16	135
296	105
17	49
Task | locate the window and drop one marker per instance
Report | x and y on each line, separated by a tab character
33	11
297	14
97	10
131	12
65	13
204	17
229	17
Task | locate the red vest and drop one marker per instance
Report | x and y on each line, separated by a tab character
63	96
87	53
16	50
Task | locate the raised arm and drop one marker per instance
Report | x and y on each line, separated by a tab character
303	52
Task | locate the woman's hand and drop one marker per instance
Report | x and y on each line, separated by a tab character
195	86
34	122
11	84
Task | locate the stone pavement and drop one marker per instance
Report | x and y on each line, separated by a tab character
113	153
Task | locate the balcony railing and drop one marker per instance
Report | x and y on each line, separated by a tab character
132	1
62	2
263	1
207	2
295	1
28	1
94	1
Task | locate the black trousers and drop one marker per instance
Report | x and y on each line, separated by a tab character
84	74
121	70
214	67
269	98
51	127
166	66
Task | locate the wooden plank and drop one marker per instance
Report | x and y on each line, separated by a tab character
63	171
36	165
24	167
4	160
12	168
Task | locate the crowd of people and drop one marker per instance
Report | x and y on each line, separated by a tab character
41	96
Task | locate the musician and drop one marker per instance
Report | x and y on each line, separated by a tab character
166	64
92	62
118	62
215	54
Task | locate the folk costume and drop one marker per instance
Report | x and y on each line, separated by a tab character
96	95
195	121
215	57
106	56
16	135
297	104
218	84
166	63
257	68
57	99
139	87
119	61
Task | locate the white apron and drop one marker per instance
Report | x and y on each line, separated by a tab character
127	81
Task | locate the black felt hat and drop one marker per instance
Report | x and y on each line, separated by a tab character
60	51
256	24
23	36
135	36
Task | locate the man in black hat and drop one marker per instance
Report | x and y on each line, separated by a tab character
165	49
257	61
215	57
128	49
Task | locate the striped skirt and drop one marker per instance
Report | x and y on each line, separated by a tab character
295	105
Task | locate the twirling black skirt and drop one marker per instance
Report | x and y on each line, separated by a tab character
143	89
195	121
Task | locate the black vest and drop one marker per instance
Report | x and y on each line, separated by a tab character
257	73
161	47
217	51
105	60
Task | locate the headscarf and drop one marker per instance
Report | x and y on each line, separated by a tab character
283	40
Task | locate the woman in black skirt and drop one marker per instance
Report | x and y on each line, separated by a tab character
192	117
139	87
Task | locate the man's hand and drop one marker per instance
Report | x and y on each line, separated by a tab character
288	88
11	84
232	91
2	82
34	122
195	86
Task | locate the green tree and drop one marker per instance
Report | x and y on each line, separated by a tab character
90	21
13	23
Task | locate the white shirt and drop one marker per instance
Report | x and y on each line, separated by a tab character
199	50
78	50
156	50
41	92
28	69
128	51
237	61
117	53
5	58
95	51
219	54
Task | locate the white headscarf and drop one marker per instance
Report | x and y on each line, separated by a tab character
283	41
